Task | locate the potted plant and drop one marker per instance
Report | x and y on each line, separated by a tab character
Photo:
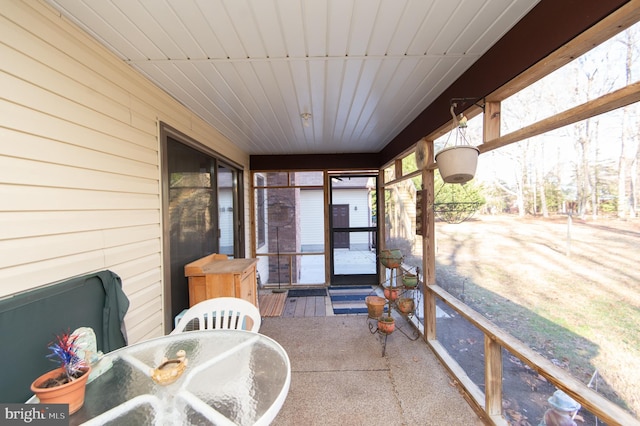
66	384
386	323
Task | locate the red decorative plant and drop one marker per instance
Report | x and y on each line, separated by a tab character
66	384
64	351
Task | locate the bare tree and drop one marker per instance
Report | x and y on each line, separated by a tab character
627	172
583	140
585	174
540	181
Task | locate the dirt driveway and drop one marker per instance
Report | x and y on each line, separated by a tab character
572	293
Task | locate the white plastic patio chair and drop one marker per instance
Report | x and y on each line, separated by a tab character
220	313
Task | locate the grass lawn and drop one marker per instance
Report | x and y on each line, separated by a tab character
575	302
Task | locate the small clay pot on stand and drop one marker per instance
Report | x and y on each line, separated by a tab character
391	258
375	306
410	281
391	293
406	305
386	325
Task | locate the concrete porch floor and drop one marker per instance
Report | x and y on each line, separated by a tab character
339	376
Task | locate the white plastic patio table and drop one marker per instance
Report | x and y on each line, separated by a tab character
232	378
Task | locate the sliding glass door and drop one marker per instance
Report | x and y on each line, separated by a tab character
201	213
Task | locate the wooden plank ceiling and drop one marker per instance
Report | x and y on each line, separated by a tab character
363	69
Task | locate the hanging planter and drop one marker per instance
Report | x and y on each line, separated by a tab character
458	163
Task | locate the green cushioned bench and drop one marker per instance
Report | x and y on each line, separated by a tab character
29	321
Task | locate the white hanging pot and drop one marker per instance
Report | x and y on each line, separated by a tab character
457	164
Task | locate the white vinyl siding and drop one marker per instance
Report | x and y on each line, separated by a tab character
312	219
79	162
359	213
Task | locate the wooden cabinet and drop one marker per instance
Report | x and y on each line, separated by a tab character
216	276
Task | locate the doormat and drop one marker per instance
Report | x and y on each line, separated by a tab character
311	292
350	299
271	304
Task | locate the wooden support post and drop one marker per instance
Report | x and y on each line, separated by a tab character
428	247
398	168
327	225
382	231
491	121
492	377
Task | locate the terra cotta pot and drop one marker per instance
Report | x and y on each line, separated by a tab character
71	393
391	293
409	280
406	305
391	258
386	325
375	306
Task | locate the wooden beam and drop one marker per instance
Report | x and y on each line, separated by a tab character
291	162
618	21
326	181
398	167
614	100
491	121
382	229
428	246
